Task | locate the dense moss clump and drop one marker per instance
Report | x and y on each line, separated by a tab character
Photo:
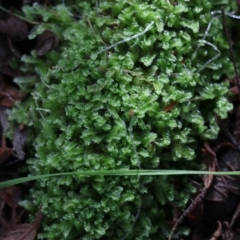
148	86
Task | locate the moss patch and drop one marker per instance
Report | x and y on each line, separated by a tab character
135	59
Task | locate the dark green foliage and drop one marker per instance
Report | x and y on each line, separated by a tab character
109	112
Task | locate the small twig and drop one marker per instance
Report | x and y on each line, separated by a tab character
19	16
126	39
118	43
235	215
218	13
212	59
194	202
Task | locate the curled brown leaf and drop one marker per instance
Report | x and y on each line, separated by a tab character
46	42
23	231
11	196
14	27
9	95
5	152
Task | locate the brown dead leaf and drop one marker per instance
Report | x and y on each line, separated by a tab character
14	27
46	42
9	95
13	48
5	152
217	232
9	219
11	196
23	231
7	70
170	106
234	90
210	161
217	186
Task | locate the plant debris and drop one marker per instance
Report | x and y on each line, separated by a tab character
23	231
13	44
214	214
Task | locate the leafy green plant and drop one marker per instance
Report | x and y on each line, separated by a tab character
99	103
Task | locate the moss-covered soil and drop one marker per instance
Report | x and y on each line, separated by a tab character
108	85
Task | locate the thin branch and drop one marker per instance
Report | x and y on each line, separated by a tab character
18	16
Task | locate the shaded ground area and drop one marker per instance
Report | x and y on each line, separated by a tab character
214	213
13	44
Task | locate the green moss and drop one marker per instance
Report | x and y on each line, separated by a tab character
135	58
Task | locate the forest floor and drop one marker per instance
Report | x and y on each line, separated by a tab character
214	211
